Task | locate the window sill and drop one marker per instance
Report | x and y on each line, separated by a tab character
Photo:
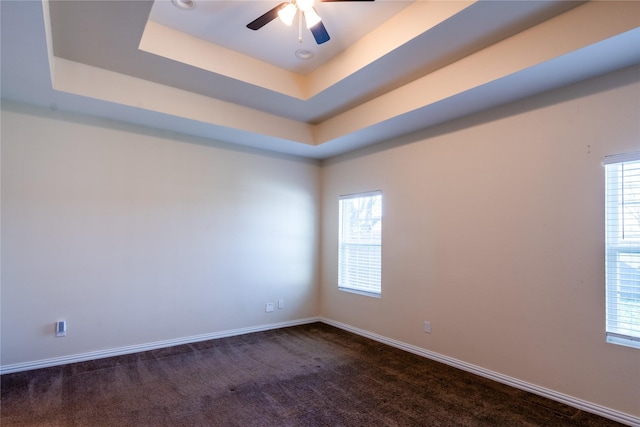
623	341
355	291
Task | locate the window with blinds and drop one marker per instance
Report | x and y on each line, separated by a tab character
622	175
360	243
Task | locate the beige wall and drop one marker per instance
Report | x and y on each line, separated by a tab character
134	236
493	231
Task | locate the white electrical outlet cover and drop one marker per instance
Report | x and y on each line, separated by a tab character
61	328
427	327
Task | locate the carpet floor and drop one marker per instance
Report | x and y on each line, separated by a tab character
309	375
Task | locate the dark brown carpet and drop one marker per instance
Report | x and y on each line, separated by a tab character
310	375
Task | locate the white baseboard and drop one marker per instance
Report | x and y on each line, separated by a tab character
93	355
612	414
603	411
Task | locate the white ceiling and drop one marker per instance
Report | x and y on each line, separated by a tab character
390	68
224	23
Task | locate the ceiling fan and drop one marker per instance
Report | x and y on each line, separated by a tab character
287	11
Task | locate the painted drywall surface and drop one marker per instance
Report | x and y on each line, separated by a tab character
493	230
134	236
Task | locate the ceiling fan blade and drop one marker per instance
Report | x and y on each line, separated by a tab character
320	33
266	18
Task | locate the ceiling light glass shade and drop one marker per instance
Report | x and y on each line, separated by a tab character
184	4
311	18
304	5
287	13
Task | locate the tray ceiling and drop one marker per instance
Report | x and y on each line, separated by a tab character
390	68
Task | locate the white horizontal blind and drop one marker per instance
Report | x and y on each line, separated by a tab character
623	249
360	243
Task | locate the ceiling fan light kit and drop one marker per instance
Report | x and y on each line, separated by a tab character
287	12
304	5
311	17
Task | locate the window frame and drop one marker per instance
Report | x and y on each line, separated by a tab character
343	245
616	246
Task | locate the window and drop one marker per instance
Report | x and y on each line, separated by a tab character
623	248
360	243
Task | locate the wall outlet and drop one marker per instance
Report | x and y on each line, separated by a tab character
61	328
427	327
280	304
268	307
